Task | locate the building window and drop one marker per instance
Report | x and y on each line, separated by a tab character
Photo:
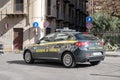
58	4
18	6
64	10
49	7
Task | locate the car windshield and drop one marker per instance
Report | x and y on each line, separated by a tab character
85	37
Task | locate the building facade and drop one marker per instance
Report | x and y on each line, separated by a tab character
22	22
106	6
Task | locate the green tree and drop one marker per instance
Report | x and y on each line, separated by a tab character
104	22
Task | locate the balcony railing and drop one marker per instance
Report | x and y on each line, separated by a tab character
60	17
51	12
12	9
6	9
66	19
67	1
72	3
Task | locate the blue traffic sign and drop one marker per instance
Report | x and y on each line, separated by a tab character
35	24
89	19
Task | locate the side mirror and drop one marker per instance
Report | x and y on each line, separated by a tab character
48	39
37	42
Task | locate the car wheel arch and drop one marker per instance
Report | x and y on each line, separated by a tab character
65	53
25	52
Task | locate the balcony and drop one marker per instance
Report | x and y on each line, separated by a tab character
72	3
67	1
51	12
72	21
17	10
80	9
13	10
66	19
60	17
86	0
77	7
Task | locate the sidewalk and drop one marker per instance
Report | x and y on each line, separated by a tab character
113	53
13	51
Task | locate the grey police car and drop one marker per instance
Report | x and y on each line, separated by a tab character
70	48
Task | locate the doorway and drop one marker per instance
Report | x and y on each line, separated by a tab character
18	38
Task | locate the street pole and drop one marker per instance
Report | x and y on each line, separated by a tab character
38	16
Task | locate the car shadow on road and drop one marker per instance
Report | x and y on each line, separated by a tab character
46	64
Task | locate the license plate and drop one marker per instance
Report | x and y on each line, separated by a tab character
97	54
94	48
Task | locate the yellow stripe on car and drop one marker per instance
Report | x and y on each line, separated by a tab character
48	50
58	42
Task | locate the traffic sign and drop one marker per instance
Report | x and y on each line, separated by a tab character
46	24
89	19
35	24
89	25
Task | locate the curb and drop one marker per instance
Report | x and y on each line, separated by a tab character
13	51
108	55
113	54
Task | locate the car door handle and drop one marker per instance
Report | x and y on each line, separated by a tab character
57	46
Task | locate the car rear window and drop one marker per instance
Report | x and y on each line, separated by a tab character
85	37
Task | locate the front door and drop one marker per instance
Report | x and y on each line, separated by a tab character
42	50
18	38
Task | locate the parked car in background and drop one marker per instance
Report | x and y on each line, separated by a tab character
70	48
1	48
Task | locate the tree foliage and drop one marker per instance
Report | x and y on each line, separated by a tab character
107	27
104	22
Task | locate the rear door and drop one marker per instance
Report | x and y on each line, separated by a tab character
62	42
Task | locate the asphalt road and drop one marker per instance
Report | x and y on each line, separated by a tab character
12	67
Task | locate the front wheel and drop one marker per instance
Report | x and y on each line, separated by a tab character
68	60
28	57
95	63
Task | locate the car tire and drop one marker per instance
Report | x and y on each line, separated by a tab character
95	63
28	57
68	60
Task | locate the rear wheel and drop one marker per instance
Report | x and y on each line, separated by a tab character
95	63
68	60
28	57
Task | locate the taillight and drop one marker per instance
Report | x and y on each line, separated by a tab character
81	44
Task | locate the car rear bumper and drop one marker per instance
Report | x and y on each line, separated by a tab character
95	58
88	56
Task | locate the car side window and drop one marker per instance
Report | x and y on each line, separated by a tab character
70	37
48	38
61	37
